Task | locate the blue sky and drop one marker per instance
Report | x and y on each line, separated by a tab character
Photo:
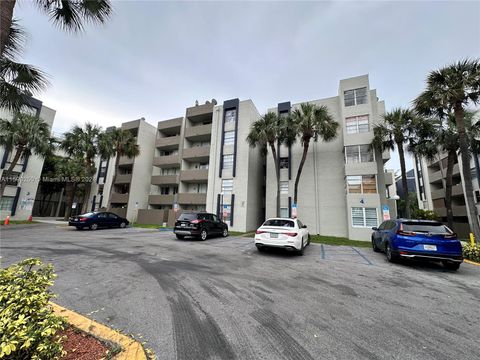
154	58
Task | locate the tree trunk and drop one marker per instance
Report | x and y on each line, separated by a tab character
467	176
8	173
300	169
406	200
277	173
448	188
69	196
86	196
114	178
6	15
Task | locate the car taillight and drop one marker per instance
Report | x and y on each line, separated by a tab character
196	221
293	234
260	232
83	219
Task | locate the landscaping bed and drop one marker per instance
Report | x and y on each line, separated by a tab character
81	346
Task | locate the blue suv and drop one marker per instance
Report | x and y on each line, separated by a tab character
418	239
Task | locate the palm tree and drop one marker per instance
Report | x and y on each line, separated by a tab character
82	142
117	143
312	122
25	134
70	15
453	88
398	128
266	133
18	81
72	169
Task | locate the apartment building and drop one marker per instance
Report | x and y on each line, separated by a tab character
21	189
342	190
126	191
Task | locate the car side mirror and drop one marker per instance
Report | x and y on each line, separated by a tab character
375	228
304	226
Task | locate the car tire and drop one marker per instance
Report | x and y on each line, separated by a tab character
225	232
94	226
451	265
180	237
374	246
122	225
308	241
260	248
203	234
391	257
302	250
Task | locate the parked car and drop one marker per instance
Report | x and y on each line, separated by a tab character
418	239
95	220
289	234
200	225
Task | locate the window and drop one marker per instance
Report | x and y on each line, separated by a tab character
226	213
283	212
279	222
170	171
214	218
165	190
201	188
358	153
13	178
169	152
227	162
112	216
229	138
361	184
230	115
364	217
6	203
300	225
355	96
357	124
284	163
283	187
201	143
227	186
203	166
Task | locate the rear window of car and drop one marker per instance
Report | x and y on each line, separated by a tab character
426	227
188	217
279	222
87	215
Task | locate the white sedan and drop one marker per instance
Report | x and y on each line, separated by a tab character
285	233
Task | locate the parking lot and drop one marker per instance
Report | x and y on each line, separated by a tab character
221	299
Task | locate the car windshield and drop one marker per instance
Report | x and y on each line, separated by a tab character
279	222
437	228
188	216
87	215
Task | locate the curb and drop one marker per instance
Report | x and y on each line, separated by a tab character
131	349
471	262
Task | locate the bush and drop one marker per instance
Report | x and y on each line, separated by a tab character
471	252
28	326
420	214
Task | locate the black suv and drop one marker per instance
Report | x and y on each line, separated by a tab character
199	224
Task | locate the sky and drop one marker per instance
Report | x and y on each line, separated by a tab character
153	59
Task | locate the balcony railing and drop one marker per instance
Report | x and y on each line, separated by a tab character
165	179
124	160
118	198
168	160
161	199
123	179
200	175
196	153
198	131
192	198
167	142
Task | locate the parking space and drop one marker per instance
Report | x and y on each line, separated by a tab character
222	299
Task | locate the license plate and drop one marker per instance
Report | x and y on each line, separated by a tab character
273	235
430	247
182	224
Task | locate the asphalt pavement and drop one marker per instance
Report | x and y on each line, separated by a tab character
222	299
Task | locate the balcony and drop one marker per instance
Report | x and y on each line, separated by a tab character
435	176
161	199
124	160
197	153
172	124
118	198
165	179
167	161
192	198
457	211
123	179
194	175
200	132
170	142
200	111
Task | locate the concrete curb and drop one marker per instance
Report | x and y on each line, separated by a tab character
471	262
131	349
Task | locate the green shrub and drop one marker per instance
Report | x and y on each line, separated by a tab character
28	326
420	214
471	252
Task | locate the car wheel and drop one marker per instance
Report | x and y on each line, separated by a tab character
301	251
122	224
451	265
374	246
260	248
180	237
94	226
308	241
225	232
390	256
203	235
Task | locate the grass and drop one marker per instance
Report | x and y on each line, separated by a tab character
240	233
19	222
147	226
333	240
